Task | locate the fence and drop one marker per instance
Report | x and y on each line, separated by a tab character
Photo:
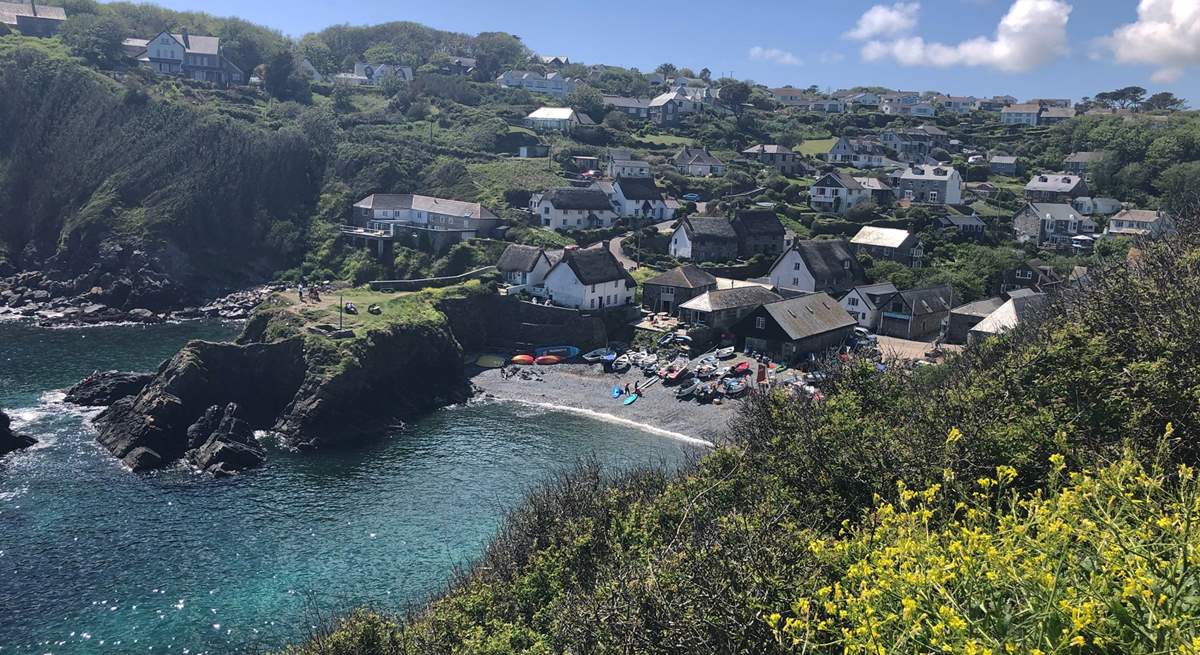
429	282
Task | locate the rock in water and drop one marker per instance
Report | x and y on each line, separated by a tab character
105	388
9	441
228	448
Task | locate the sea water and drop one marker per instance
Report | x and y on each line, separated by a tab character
94	558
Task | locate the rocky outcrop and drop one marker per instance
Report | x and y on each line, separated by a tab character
9	441
103	388
223	444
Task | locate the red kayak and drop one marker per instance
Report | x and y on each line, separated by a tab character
523	360
547	360
741	369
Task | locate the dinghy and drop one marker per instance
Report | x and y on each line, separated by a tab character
522	360
548	360
688	388
596	355
725	353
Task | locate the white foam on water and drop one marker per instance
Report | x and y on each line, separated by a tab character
609	418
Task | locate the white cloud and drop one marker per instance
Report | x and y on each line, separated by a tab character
830	57
1032	33
776	55
882	20
1166	35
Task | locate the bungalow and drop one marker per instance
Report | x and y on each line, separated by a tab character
669	108
781	158
965	317
720	309
31	18
1006	317
640	197
634	107
1055	115
915	313
935	185
366	74
1055	187
889	243
1089	206
193	57
837	193
863	302
573	208
524	265
804	100
826	265
759	232
1005	165
1080	163
627	168
697	162
858	153
553	119
861	100
966	225
1140	223
955	104
1044	223
553	84
1034	274
1026	114
381	210
589	279
790	329
704	239
668	290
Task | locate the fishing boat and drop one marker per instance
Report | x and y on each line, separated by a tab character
706	371
680	371
622	363
649	359
688	388
522	360
725	353
632	399
562	352
708	360
733	387
548	360
597	355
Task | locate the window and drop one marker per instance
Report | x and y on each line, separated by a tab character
933	196
846	265
760	323
853	301
795	282
592	303
796	266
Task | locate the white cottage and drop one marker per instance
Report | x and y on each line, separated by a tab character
589	279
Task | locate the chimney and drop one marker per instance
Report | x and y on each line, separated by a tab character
186	42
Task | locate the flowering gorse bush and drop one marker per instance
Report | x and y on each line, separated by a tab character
1100	561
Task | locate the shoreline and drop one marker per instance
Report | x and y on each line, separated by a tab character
607	418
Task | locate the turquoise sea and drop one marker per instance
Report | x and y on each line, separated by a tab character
96	559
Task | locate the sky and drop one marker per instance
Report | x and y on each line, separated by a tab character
1026	48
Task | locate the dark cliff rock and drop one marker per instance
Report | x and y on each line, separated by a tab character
223	444
104	388
10	441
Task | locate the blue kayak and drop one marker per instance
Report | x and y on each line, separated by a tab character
632	399
566	352
617	391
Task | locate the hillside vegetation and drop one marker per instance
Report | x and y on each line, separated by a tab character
791	519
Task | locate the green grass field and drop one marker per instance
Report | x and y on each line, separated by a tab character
494	177
664	140
815	146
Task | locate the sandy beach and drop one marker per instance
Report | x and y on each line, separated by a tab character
587	389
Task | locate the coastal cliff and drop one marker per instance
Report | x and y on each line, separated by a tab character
288	375
9	440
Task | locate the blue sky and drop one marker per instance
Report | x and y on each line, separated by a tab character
1027	48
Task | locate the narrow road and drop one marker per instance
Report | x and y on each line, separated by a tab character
614	246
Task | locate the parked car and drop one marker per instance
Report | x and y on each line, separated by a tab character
691	197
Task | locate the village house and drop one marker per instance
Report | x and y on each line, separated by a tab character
857	153
633	107
965	317
790	329
804	100
889	243
1055	115
1055	187
837	193
193	57
1140	223
552	84
720	309
1026	114
366	74
459	66
1005	165
781	158
554	60
1091	206
668	290
556	119
1006	317
704	239
1034	275
882	193
910	145
915	313
865	99
697	162
413	219
826	265
863	302
995	103
589	279
971	226
960	105
573	208
759	232
1080	163
934	185
669	108
524	266
31	18
1053	224
640	197
615	168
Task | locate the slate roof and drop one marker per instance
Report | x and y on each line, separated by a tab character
518	258
687	156
424	203
10	10
884	237
964	221
757	222
769	149
1059	112
872	184
688	276
576	198
927	300
711	227
927	172
595	266
826	259
1058	182
639	188
1028	108
808	316
841	179
874	293
1054	210
980	308
720	299
622	101
1002	159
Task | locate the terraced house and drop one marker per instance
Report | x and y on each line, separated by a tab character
193	57
31	18
780	158
572	208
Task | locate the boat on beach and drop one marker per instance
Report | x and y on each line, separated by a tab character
523	360
688	388
621	363
733	387
562	352
725	353
597	355
547	360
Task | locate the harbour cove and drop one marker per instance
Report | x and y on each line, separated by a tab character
95	558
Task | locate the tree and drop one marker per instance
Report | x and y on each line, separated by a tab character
706	74
1180	186
495	51
1164	101
342	99
735	95
96	39
283	79
1123	98
666	70
587	100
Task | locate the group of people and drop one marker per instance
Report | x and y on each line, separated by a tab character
308	294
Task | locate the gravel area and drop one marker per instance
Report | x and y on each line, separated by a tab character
587	389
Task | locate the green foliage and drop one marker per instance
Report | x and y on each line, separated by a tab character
95	38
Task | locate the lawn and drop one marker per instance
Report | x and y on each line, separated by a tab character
666	140
815	147
493	178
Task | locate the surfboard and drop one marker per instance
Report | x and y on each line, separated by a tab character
632	399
